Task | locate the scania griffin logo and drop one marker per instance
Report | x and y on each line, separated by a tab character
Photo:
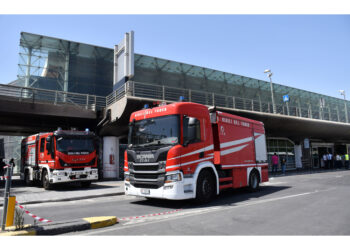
145	157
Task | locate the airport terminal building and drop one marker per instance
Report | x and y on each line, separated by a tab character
299	124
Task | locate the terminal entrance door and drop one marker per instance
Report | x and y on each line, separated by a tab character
318	150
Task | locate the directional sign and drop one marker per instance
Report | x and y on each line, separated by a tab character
286	98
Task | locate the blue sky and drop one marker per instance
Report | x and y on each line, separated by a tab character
310	52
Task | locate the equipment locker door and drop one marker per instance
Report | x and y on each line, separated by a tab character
260	146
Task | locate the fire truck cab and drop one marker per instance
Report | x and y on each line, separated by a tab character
59	157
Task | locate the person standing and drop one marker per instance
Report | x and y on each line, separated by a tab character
326	163
338	163
283	164
330	160
274	161
346	158
2	165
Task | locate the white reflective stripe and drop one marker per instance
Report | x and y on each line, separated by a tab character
238	165
255	134
236	142
232	150
187	163
173	166
210	147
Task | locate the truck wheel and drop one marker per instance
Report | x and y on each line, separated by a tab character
205	190
85	184
27	179
45	180
253	181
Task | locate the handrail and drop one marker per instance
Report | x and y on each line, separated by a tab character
167	93
37	95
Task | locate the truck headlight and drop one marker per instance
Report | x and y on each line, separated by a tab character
173	178
94	171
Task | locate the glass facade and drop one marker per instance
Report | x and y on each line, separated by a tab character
51	63
10	147
57	64
282	147
174	74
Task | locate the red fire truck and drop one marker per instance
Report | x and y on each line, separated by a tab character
185	150
58	157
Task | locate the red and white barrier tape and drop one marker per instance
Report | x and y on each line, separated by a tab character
149	215
33	215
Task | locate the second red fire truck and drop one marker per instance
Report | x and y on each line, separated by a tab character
59	157
184	151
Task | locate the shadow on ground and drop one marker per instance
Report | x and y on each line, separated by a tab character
227	197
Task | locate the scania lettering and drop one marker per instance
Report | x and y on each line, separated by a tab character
185	150
59	157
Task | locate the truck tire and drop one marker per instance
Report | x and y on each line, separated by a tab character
205	190
85	184
45	180
253	181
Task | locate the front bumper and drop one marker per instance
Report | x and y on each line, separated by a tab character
179	190
61	176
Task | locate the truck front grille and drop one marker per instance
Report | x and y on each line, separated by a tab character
146	167
147	175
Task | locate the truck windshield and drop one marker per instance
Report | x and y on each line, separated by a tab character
74	145
155	131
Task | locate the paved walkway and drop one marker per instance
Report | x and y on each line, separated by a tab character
73	191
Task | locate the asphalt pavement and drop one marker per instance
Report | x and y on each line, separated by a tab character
299	203
295	204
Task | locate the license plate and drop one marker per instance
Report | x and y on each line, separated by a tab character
145	191
77	176
77	173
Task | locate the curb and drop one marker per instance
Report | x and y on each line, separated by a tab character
66	227
70	199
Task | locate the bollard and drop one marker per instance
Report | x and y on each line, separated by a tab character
6	195
11	211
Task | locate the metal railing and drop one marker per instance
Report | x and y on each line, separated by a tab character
35	95
161	92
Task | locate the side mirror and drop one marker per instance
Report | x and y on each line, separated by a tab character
49	145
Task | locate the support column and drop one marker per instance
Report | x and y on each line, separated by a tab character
66	73
346	113
338	114
110	157
299	108
260	106
310	110
29	65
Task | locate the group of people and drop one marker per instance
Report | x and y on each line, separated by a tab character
329	161
275	161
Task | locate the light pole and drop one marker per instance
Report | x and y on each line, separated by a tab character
342	92
272	97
